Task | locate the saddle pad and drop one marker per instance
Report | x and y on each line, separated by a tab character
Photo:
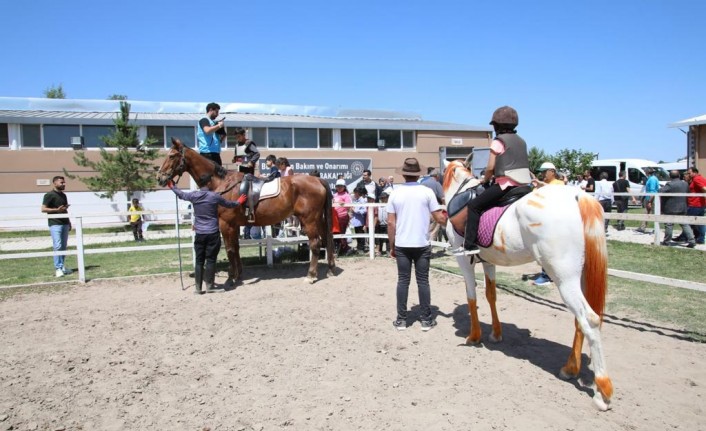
270	189
486	227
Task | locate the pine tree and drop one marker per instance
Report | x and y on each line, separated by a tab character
127	167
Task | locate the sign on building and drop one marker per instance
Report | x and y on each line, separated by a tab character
329	169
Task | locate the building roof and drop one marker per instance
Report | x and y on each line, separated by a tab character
95	112
693	121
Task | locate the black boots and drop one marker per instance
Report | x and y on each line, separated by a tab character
198	279
209	276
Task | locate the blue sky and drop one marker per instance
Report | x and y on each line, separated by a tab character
600	76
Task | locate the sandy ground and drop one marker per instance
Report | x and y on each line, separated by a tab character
141	354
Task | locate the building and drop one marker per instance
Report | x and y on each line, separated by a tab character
38	138
695	141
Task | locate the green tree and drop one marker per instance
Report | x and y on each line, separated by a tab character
117	97
55	92
536	158
127	167
573	161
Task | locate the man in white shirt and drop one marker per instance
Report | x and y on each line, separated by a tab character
408	211
604	195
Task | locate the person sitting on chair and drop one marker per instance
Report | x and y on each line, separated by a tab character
508	164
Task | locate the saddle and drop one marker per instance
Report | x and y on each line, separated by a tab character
258	189
458	213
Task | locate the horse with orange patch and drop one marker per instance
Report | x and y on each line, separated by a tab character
561	228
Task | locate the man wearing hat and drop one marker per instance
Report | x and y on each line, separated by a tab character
550	176
408	211
508	163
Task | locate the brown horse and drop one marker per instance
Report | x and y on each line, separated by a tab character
305	196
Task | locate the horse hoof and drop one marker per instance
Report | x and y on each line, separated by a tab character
495	339
601	403
471	342
309	280
565	375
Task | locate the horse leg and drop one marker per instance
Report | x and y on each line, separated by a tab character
573	364
588	323
491	296
310	226
231	239
474	334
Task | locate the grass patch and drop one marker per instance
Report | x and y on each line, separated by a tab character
670	262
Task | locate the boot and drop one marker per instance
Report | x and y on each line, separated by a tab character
209	277
198	279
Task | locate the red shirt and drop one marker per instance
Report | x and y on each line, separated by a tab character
697	185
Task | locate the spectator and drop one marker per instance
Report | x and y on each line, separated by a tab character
590	186
360	212
382	182
390	182
548	173
621	202
408	212
371	187
210	133
207	241
284	167
272	172
340	199
696	205
651	187
432	181
55	202
676	205
604	195
381	223
136	219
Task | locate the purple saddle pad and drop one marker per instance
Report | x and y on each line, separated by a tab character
486	228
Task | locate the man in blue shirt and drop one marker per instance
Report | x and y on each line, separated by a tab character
210	133
651	186
207	242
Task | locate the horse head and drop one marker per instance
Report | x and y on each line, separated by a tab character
174	165
457	177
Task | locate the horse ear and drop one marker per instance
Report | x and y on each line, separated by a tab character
176	142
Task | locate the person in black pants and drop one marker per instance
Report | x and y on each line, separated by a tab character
508	164
207	242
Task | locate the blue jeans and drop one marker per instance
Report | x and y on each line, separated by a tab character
59	239
421	257
698	229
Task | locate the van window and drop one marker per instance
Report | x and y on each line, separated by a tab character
660	173
636	176
611	170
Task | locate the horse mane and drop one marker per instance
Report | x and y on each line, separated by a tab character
449	173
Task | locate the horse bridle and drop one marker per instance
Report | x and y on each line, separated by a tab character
181	167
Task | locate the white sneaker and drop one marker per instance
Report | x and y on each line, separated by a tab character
59	272
67	271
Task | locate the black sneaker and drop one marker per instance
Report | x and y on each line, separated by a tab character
691	245
428	324
400	324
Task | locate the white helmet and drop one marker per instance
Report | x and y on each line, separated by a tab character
547	165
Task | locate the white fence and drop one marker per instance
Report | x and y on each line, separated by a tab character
270	243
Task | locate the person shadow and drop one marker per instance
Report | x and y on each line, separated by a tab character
519	344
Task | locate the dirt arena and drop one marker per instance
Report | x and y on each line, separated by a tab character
141	354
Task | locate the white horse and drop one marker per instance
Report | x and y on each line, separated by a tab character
561	228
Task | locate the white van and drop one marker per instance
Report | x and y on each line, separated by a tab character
635	169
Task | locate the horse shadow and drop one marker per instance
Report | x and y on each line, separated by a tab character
285	271
518	343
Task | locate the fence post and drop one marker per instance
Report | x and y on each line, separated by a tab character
657	211
371	230
268	246
79	250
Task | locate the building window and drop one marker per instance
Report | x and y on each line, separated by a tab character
392	138
92	135
325	138
184	134
279	138
31	135
59	136
347	138
366	139
4	136
306	138
156	133
407	139
258	135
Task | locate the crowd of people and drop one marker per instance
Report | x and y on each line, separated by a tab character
406	209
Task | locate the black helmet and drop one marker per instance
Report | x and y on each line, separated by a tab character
505	115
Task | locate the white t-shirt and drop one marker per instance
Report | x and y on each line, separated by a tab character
413	204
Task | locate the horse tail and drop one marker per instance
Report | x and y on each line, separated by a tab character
328	208
595	266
